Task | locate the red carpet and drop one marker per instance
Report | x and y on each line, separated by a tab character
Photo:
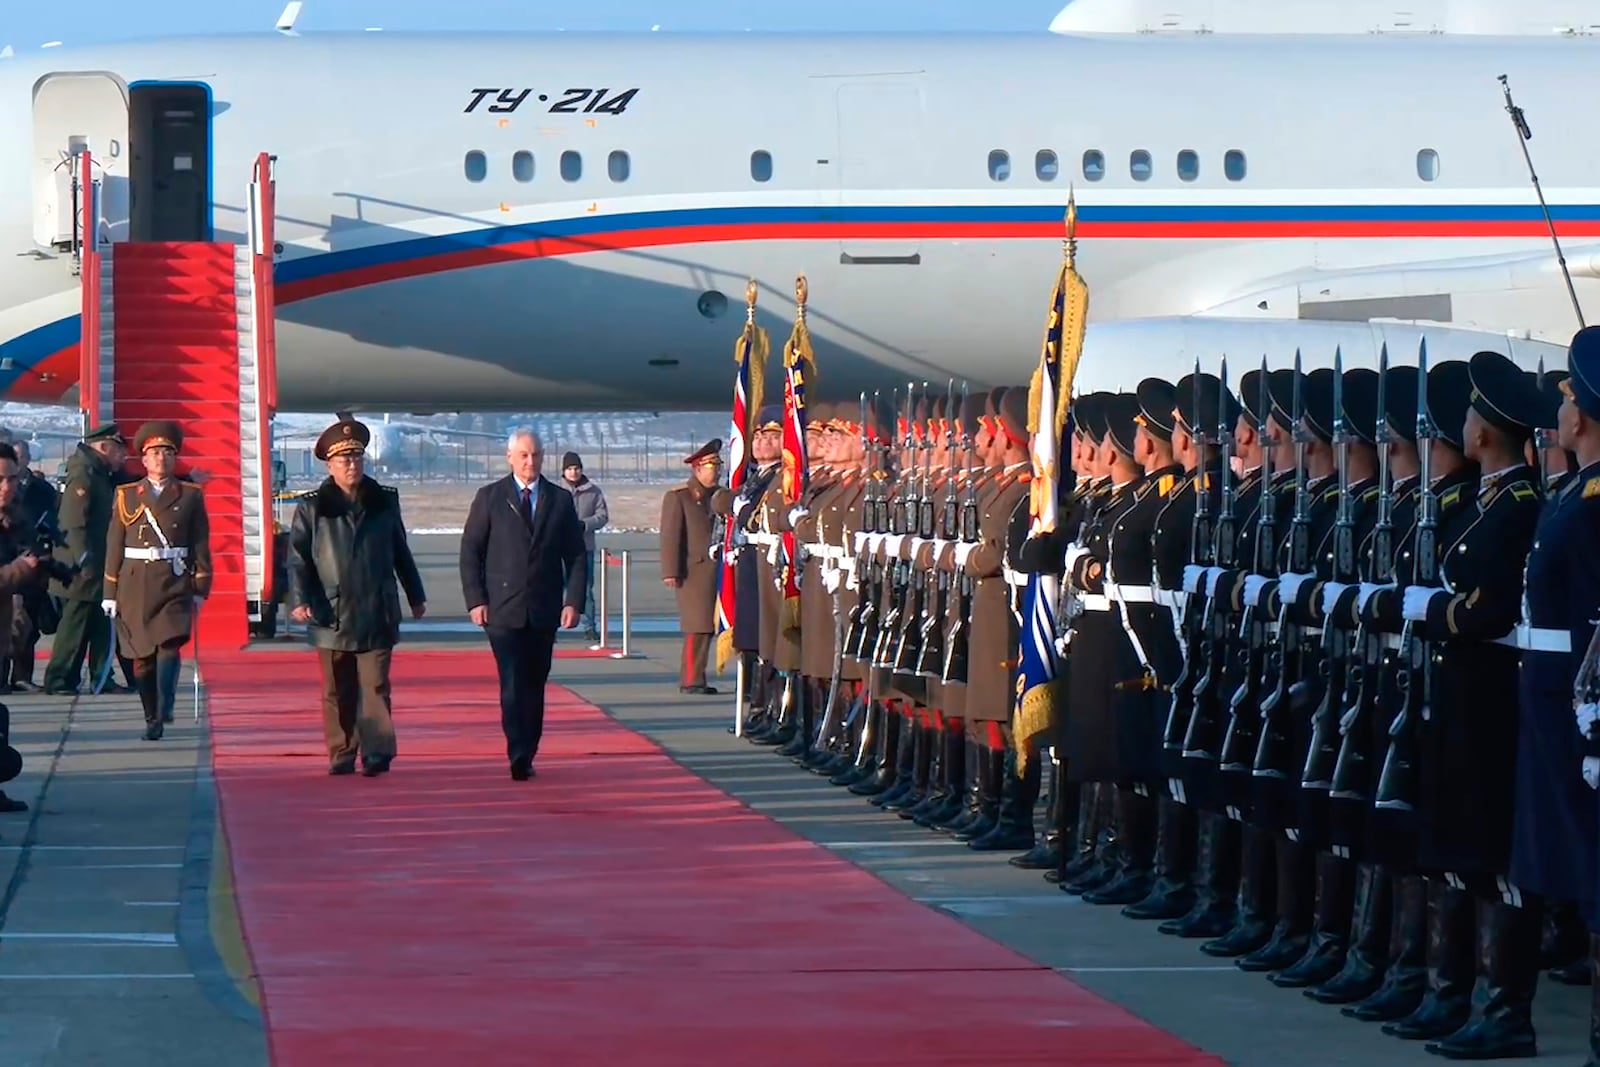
616	910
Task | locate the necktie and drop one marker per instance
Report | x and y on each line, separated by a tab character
527	504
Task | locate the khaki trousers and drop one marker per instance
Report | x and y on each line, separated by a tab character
356	715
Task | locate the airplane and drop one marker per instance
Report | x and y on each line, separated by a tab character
567	221
1298	17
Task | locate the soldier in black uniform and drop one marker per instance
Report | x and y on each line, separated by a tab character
1554	843
1135	702
1468	754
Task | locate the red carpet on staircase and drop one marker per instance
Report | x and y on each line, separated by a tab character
615	910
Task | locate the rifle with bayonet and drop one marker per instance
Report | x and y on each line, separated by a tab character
930	657
864	614
1275	749
1202	542
1203	740
909	643
1351	771
1244	722
1397	781
958	640
901	521
1323	752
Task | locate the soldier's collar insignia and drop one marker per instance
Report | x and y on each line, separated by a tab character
1591	488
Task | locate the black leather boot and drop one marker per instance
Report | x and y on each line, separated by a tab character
1501	1027
955	786
938	773
1447	1003
1407	977
1254	906
783	718
990	766
1046	852
1085	835
1013	829
807	705
905	762
921	772
889	734
1065	799
970	808
1364	964
1295	882
1330	928
861	761
1106	860
1136	829
1216	881
1171	896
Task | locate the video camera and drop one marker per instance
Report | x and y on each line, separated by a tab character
46	536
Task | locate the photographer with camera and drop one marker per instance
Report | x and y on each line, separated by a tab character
20	569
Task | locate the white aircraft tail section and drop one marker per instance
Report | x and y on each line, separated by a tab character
1491	18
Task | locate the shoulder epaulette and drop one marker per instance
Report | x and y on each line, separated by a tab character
1451	497
1165	483
1591	488
309	494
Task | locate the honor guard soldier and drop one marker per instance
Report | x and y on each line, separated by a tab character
753	586
1554	844
85	515
689	561
157	570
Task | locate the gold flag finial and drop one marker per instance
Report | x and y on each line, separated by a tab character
1069	247
801	291
751	291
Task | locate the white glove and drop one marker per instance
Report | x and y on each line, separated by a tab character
109	607
797	513
964	552
850	581
1192	577
1253	585
1289	586
1330	596
1418	597
1368	591
774	551
830	579
891	545
1213	579
1587	715
1591	772
1074	554
861	540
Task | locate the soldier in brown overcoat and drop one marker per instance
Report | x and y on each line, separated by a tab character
158	569
689	561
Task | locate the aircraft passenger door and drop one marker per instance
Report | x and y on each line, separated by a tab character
73	113
882	155
170	130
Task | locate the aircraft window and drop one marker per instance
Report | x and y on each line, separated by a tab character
1046	166
1139	165
1233	165
1188	165
1094	165
1428	164
522	166
571	166
999	165
476	166
761	166
617	166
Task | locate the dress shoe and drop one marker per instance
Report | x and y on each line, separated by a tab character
521	772
342	768
25	687
61	691
153	731
698	690
373	768
7	804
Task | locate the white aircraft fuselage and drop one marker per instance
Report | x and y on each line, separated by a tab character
595	255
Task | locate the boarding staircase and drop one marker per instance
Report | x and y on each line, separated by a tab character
184	331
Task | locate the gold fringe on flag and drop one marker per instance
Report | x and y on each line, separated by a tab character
724	649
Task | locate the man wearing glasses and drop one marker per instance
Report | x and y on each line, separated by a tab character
157	570
347	546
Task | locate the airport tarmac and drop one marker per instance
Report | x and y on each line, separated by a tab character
118	943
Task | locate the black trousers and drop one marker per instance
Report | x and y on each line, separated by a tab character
523	658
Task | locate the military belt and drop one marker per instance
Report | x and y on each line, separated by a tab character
1130	594
1016	579
155	553
1536	639
1094	602
1390	641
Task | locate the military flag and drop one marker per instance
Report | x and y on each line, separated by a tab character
750	358
1038	694
798	361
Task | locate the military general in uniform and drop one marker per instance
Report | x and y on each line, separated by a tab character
689	561
157	570
348	545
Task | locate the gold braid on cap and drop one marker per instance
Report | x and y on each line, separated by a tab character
345	445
